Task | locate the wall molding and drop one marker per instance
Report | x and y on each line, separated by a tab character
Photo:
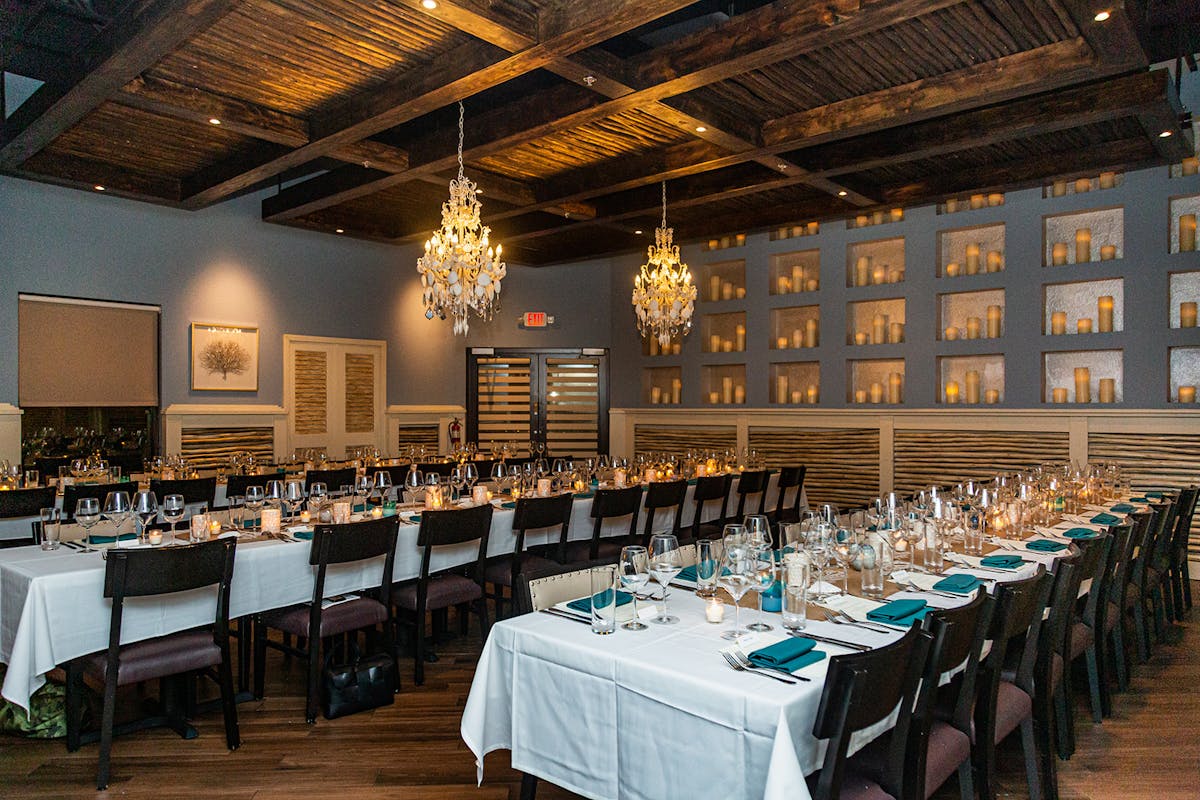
178	416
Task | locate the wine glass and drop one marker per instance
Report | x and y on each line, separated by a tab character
498	472
318	498
117	508
87	514
845	549
362	487
471	474
145	506
174	507
458	479
255	497
764	578
665	564
293	497
736	578
274	494
634	571
758	535
383	482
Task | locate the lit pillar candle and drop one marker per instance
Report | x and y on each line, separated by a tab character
953	270
879	329
972	386
676	348
978	201
783	285
1104	313
813	228
862	271
797	396
896	332
895	390
1187	315
727	389
860	396
897	214
995	317
812	334
1190	166
713	398
1187	394
995	199
1058	188
991	397
952	205
714	343
739	336
876	392
781	388
676	390
878	275
812	394
1108	390
1083	385
1058	323
655	394
781	343
952	392
479	495
950	334
877	218
1108	252
341	508
714	287
1108	180
995	261
1058	254
861	221
1083	245
972	259
973	327
1083	185
811	285
739	394
1083	326
726	290
862	338
1187	233
797	337
797	277
1059	395
727	345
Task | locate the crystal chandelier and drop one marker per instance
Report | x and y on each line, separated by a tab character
460	272
663	294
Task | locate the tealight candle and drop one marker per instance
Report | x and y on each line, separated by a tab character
619	478
714	610
995	316
972	259
811	285
1058	323
978	201
1187	394
1108	180
1083	185
1104	313
1187	233
1108	390
952	392
1187	315
154	537
991	396
727	345
305	517
897	215
214	528
713	398
995	199
543	487
781	343
1058	188
1083	326
1058	253
952	269
1083	245
739	292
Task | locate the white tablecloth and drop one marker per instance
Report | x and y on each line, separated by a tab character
52	609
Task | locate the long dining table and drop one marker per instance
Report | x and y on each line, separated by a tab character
52	607
659	713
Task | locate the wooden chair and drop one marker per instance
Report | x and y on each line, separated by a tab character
441	468
1180	577
311	622
606	504
1083	639
1101	616
146	573
1118	599
25	502
334	479
707	490
749	484
860	690
195	491
236	485
73	493
1143	577
662	495
1158	572
791	479
397	472
531	513
437	592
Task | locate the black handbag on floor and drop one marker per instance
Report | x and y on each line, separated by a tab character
363	684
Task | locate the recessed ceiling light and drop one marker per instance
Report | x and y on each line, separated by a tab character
478	190
340	230
700	129
214	121
842	193
638	232
782	166
98	188
1164	134
1102	16
429	4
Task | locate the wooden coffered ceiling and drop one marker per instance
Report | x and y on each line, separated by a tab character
756	114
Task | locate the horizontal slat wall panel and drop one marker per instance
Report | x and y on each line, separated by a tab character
205	448
938	457
360	392
310	398
683	439
1153	461
417	436
843	463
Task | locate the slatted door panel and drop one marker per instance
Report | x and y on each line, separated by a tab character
572	415
310	395
360	393
504	401
335	392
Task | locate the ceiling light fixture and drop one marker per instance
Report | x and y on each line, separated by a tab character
429	5
1164	134
214	121
340	230
664	296
98	188
460	271
638	232
700	129
1102	16
842	193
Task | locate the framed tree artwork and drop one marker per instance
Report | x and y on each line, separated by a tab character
224	358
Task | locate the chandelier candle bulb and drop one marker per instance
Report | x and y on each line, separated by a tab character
1104	313
860	396
1108	390
1058	323
739	394
1058	396
1083	326
1083	245
1187	394
973	327
995	261
953	270
876	392
1058	254
1083	185
952	392
879	329
1108	252
739	334
1083	385
781	389
812	334
1187	315
971	384
991	397
896	332
1187	233
995	318
862	271
950	334
812	394
727	389
1108	180
972	259
895	390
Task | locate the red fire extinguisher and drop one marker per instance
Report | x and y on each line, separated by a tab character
455	429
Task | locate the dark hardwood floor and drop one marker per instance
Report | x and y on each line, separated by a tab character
1148	750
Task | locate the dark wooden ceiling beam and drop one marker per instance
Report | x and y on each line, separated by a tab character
86	174
126	47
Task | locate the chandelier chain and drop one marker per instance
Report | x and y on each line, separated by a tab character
460	142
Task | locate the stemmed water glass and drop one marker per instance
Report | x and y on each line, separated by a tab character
362	487
274	494
497	473
318	498
87	514
458	479
293	497
737	577
118	509
255	497
471	475
763	565
174	507
758	534
383	482
634	571
665	564
145	506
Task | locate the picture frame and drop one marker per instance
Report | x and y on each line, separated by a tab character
224	358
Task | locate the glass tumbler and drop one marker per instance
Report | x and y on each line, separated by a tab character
795	592
51	520
708	564
604	600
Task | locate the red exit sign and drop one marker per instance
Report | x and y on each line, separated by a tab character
535	319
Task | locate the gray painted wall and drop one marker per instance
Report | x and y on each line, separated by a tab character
224	264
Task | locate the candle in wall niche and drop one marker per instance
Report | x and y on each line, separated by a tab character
1187	394
1190	166
653	345
972	259
714	343
797	277
727	346
1083	185
812	394
877	218
878	275
813	228
995	317
995	261
973	327
953	270
952	205
727	389
1108	390
995	199
1058	323
781	343
739	335
714	287
739	292
1083	245
952	392
783	285
1083	385
676	348
895	390
1108	180
1187	315
860	221
726	290
1083	326
1104	313
1058	396
713	398
1187	233
978	201
1058	188
879	329
812	333
655	394
860	396
876	392
950	334
676	390
797	396
781	388
811	285
862	271
862	338
1108	252
797	338
971	384
897	214
896	332
739	394
991	397
1058	254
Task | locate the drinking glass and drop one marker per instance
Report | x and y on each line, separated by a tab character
318	499
845	550
498	473
708	566
759	529
293	497
145	506
764	579
604	600
793	537
471	475
237	511
51	522
32	478
383	482
794	576
255	497
87	514
634	572
362	487
458	479
871	570
117	509
274	494
414	482
664	566
736	578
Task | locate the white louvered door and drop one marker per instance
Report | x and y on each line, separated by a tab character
334	392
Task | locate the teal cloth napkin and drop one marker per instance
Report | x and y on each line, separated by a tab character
414	519
306	535
1080	533
357	508
689	573
509	504
1155	494
584	495
1105	519
1045	546
1006	561
958	584
1123	508
584	604
899	612
791	654
1139	500
101	539
691	481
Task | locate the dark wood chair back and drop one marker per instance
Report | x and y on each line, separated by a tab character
73	493
47	466
611	504
348	542
442	468
194	490
454	526
706	490
790	478
860	690
535	513
749	484
25	502
398	472
660	495
235	485
334	479
1159	545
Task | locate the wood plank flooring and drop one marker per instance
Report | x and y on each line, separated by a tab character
1148	750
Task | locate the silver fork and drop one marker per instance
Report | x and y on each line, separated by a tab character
745	661
737	665
842	618
912	587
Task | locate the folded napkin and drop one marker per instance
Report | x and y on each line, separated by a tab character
1156	495
1045	546
584	495
584	604
413	519
1139	500
304	532
1080	533
1123	508
97	538
509	504
1105	519
1005	561
899	612
958	583
689	573
791	654
691	481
